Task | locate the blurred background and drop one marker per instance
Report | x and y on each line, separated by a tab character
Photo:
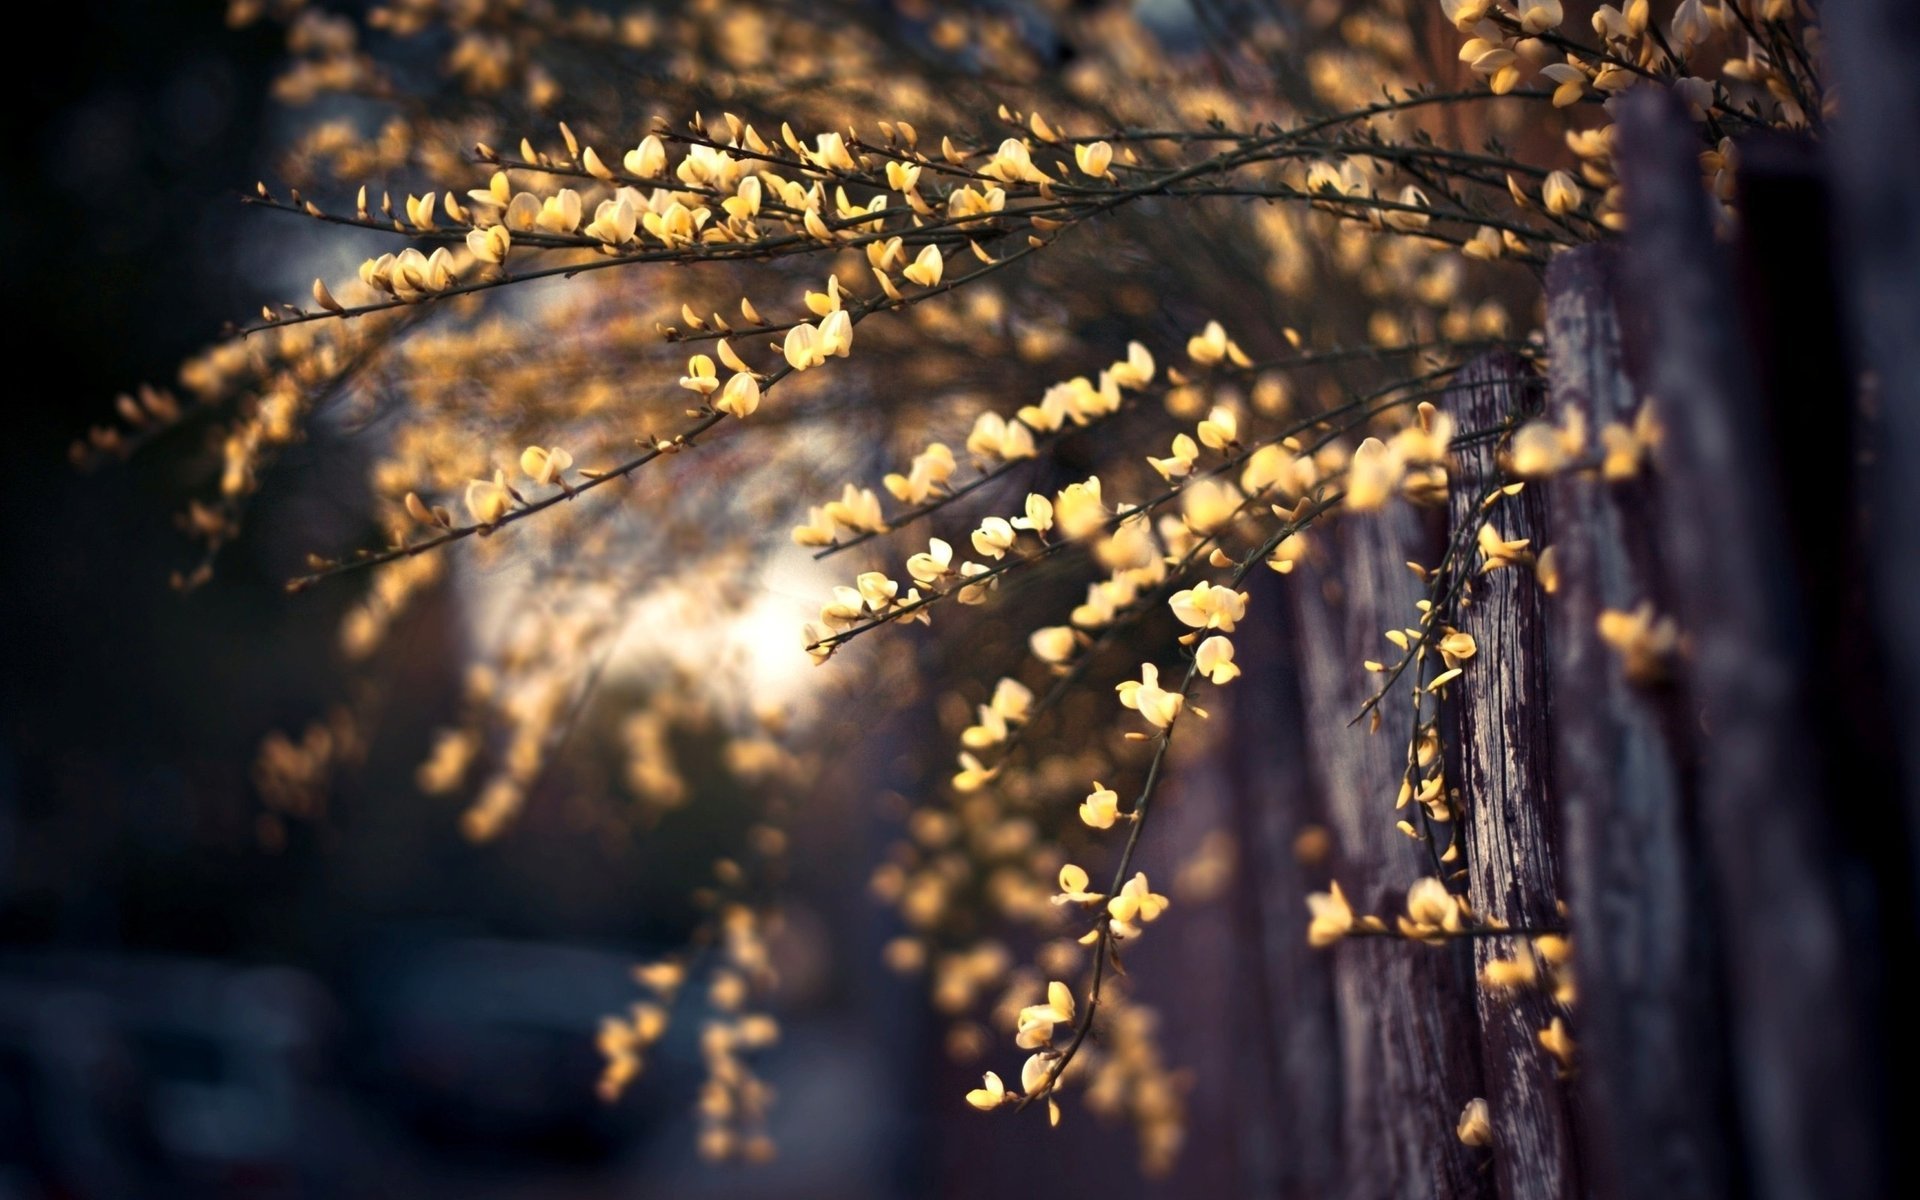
197	1003
198	998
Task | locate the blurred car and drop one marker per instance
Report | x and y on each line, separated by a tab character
491	1043
126	1076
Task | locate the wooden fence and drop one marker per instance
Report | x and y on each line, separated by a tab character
1733	844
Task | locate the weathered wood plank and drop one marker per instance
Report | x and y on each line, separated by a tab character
1290	1125
1500	757
1800	1038
1876	179
1405	1012
1652	1069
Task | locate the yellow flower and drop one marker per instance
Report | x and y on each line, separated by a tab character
1077	509
1180	461
1541	448
1496	552
1485	245
1053	644
560	213
1539	16
1220	430
1570	83
1012	163
933	564
1034	1025
931	468
488	500
614	222
876	589
324	298
1506	974
1690	25
858	509
489	245
1034	1072
836	334
1101	808
1431	910
1204	606
1291	550
1149	699
648	160
801	347
1073	887
992	1094
996	437
927	267
1093	158
1331	917
1209	504
903	177
1457	647
1136	901
1039	514
1011	700
1215	660
1475	1127
1372	475
1555	1040
1646	644
700	376
973	774
1137	371
1212	344
817	531
545	466
1560	193
741	396
994	537
1401	218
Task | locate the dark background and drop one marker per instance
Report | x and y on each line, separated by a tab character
369	1005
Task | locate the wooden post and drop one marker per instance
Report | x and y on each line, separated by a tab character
1876	179
1652	1070
1405	1011
1500	758
1290	1142
1802	1045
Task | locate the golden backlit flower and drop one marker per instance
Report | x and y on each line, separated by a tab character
1475	1126
488	500
1432	911
933	564
1646	643
1078	510
1137	902
1147	697
990	1095
545	465
740	397
1214	659
1073	887
1101	808
926	267
994	536
1330	916
1053	644
1206	606
1560	193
